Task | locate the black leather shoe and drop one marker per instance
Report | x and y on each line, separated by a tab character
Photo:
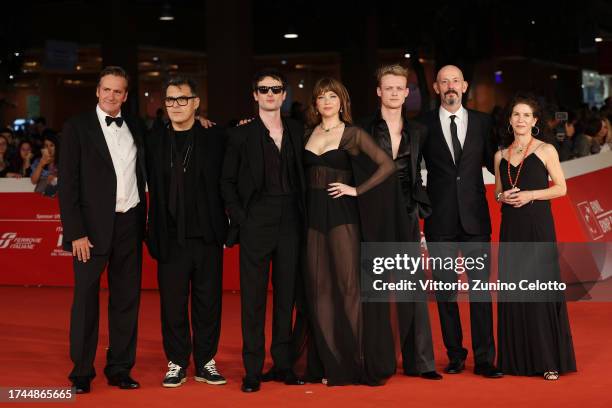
270	375
250	385
125	382
488	371
455	367
292	379
431	375
81	386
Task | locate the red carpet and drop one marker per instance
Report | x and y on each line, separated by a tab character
34	352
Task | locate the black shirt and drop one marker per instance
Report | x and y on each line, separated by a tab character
186	160
279	166
402	161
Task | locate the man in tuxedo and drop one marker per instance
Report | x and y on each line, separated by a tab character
401	139
103	208
458	145
263	187
187	227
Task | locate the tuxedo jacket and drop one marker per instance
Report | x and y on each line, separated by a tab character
242	178
208	149
87	184
457	194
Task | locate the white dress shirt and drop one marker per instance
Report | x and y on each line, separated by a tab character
123	153
462	122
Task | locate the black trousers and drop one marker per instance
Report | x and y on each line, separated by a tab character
414	327
481	311
271	233
196	267
124	262
415	337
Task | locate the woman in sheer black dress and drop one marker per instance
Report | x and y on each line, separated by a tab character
332	276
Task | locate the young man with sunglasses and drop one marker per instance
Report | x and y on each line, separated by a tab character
264	189
187	227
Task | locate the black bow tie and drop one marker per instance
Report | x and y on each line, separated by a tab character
118	120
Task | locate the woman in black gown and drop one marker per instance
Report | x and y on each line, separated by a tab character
534	337
333	236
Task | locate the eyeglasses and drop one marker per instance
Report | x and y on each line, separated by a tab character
180	100
275	89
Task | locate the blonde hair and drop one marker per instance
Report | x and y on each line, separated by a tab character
329	85
395	69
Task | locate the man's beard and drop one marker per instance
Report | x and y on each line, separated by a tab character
452	99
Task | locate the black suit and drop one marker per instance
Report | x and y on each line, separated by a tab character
269	228
87	196
415	329
460	222
195	267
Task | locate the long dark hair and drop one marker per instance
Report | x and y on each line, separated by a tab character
52	137
507	135
18	160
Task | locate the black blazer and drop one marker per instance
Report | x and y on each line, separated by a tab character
458	194
209	149
87	185
243	169
417	135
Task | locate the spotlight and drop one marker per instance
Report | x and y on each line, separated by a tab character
166	14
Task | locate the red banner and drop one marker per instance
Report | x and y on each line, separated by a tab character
31	232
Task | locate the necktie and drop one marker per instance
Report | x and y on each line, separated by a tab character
118	120
455	139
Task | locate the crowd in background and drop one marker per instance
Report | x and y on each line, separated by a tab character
574	133
33	150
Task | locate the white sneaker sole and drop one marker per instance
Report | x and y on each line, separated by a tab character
202	379
183	381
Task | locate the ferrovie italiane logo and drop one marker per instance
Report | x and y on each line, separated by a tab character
10	240
6	239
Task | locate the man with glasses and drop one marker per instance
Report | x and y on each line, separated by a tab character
263	187
187	227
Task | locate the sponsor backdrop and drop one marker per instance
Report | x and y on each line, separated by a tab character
31	231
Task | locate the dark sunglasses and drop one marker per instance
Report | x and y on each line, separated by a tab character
275	89
181	100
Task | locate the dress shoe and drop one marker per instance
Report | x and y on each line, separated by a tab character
287	377
81	386
455	367
250	385
431	375
269	375
125	382
292	379
488	371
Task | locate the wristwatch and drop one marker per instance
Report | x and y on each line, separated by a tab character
498	196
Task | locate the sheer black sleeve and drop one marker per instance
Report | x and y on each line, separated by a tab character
357	140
